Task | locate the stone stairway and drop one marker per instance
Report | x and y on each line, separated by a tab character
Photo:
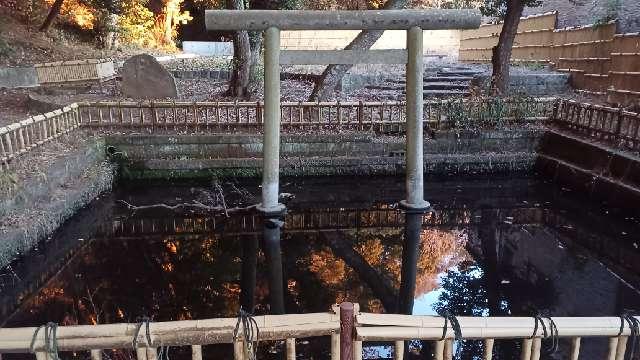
443	82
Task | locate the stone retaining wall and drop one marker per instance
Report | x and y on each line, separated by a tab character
450	153
43	202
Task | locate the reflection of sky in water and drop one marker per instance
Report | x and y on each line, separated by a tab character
423	305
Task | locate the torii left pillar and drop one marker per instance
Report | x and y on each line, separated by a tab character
272	210
414	205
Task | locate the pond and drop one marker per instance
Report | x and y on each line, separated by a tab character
491	247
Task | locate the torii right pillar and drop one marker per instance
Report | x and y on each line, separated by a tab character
414	205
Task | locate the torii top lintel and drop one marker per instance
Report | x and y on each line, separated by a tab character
428	19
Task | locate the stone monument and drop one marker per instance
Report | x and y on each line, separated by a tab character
144	77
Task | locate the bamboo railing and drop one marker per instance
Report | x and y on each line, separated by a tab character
347	327
21	137
615	126
206	117
232	116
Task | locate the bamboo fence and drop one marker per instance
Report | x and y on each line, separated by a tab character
21	137
614	126
215	117
347	327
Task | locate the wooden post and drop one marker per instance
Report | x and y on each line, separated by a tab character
291	349
346	331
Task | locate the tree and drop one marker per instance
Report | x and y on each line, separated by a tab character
332	75
240	76
510	11
53	13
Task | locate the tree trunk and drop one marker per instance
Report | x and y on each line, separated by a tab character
332	75
255	45
240	76
53	13
502	52
379	285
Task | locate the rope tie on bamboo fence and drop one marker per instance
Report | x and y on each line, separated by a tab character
455	326
551	333
634	326
249	334
50	340
143	321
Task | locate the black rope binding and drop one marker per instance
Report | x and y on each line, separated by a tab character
143	321
249	334
455	326
50	340
634	327
551	333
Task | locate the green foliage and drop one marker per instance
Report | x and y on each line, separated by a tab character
489	112
136	22
498	8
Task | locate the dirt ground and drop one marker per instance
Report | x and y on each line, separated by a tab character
27	45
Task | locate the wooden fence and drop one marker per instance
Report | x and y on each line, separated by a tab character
612	125
347	327
599	61
21	137
207	117
77	71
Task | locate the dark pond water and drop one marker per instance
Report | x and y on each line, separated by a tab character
491	247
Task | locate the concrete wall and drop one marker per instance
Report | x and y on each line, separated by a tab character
16	77
450	153
436	42
208	48
585	12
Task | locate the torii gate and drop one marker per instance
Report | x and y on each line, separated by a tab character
414	22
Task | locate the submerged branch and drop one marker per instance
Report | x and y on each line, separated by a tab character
195	205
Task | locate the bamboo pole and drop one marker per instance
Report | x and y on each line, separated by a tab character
291	349
357	350
526	349
238	351
335	346
398	350
621	348
141	354
613	348
96	354
439	350
196	352
488	349
535	348
448	349
575	348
